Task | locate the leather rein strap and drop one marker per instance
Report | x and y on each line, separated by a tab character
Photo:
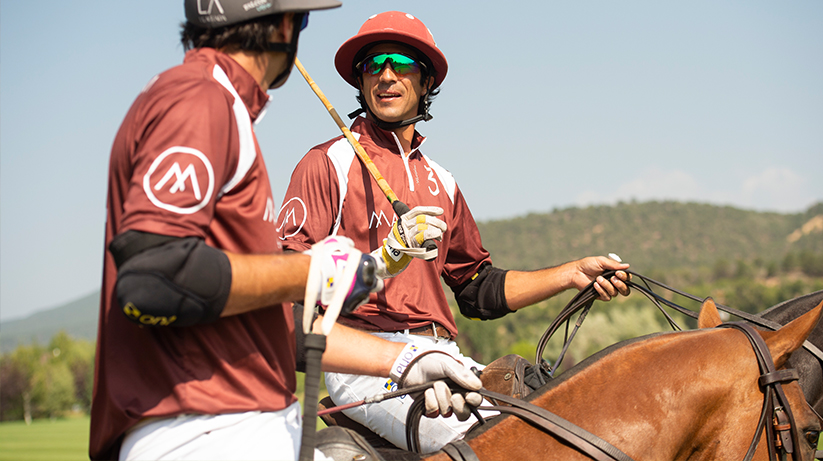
576	436
579	438
584	299
780	435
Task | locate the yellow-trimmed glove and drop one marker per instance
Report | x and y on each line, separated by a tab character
405	239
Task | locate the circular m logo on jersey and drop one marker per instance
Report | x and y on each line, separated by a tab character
292	212
180	180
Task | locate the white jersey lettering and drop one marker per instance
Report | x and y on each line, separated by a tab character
269	214
436	190
200	9
380	218
198	171
180	180
294	210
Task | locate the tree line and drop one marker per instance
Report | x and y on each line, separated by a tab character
46	381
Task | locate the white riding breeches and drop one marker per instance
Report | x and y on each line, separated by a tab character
252	435
388	418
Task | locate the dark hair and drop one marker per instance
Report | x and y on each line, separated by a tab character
251	35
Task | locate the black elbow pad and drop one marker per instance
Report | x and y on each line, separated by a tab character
180	282
484	296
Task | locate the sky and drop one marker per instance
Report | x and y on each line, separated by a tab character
546	105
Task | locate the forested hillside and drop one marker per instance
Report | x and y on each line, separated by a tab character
652	236
744	259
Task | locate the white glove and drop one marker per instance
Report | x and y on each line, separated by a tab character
330	259
416	366
406	236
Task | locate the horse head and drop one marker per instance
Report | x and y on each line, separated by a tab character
781	344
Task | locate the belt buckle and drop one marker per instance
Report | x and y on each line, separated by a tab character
435	325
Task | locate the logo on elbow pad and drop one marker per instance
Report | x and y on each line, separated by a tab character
134	314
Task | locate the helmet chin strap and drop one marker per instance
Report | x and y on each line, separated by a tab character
422	115
291	52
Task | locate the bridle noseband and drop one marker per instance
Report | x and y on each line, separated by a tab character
780	436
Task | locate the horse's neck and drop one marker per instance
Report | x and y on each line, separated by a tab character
658	389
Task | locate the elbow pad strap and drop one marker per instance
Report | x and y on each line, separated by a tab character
484	296
178	282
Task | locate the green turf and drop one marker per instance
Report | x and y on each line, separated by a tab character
62	439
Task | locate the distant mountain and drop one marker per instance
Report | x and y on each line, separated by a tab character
655	237
78	318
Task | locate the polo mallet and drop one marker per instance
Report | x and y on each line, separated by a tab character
315	344
399	207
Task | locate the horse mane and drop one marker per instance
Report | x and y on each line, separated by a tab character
791	309
589	361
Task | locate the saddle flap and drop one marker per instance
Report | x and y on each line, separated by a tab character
507	376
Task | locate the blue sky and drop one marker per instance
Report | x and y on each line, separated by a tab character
546	105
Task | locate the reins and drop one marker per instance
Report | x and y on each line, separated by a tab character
579	438
584	300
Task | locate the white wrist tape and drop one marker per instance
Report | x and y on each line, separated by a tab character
407	356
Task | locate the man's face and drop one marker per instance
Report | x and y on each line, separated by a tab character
390	96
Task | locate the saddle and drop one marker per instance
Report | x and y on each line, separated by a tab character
509	375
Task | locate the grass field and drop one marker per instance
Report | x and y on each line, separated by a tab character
45	440
60	440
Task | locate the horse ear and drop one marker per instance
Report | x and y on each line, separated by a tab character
789	338
709	317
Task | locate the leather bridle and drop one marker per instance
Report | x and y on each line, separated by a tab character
781	437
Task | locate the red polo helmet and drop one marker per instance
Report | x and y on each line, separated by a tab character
393	26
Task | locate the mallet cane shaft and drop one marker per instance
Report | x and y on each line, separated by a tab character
399	207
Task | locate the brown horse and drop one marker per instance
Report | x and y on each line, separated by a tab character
670	396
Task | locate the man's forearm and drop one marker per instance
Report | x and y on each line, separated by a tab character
263	280
345	348
527	288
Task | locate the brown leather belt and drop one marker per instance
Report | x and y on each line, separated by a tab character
433	329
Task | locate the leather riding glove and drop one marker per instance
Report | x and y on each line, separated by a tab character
330	257
416	365
406	237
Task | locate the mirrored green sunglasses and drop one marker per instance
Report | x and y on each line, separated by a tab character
400	64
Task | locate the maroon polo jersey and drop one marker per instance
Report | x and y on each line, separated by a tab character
186	162
331	192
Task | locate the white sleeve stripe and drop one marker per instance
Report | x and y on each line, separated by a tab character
244	130
445	177
341	155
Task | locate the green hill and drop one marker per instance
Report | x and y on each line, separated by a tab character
78	318
652	236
